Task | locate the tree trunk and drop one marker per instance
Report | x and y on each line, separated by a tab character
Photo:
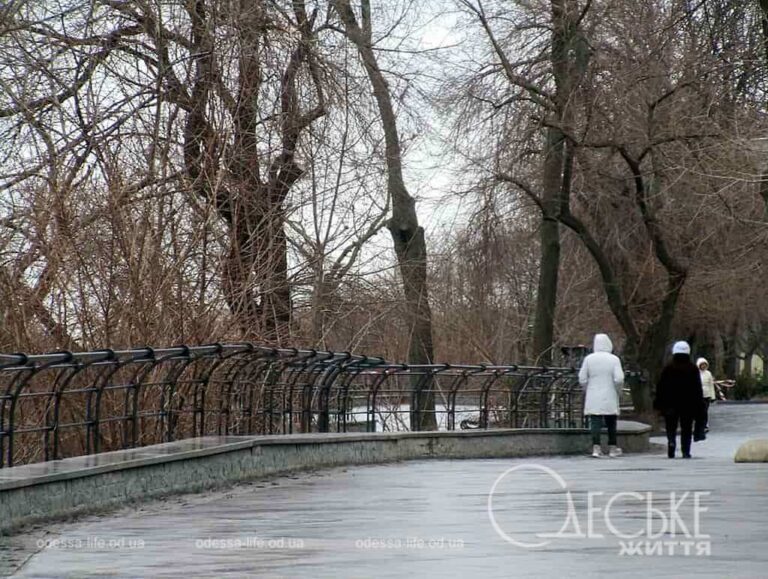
319	305
407	235
730	356
748	363
248	189
706	349
277	297
654	343
549	236
568	65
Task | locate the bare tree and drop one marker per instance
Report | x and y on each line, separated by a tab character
407	234
566	55
638	167
202	101
250	194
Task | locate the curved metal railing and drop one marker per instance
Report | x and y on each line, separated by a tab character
68	404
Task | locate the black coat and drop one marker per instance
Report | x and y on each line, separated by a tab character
679	388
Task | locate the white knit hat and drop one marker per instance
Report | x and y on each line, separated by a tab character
681	348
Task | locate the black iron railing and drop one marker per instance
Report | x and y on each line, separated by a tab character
68	404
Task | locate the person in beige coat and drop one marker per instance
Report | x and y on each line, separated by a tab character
708	391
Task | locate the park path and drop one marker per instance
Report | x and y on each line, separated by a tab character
430	519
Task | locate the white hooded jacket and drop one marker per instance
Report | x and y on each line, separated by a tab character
707	381
603	377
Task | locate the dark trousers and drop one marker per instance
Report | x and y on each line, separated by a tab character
596	425
671	420
702	422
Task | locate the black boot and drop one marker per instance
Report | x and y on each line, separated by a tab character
670	451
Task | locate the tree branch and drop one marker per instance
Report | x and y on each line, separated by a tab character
655	231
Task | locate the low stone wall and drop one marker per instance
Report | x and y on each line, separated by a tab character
69	487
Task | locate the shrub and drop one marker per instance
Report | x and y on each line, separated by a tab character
746	387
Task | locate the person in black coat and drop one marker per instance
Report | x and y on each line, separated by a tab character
679	398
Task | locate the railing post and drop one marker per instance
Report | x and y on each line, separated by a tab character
7	400
327	382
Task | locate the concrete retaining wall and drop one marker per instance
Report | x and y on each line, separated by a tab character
64	488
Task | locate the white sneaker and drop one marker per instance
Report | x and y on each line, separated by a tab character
614	452
597	452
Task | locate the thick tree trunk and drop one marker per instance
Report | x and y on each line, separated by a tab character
276	304
568	65
319	305
649	356
549	237
411	251
653	347
748	363
407	235
249	192
730	356
256	274
703	344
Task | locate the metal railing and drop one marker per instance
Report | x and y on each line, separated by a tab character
69	404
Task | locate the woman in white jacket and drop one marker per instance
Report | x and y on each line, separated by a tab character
708	390
602	375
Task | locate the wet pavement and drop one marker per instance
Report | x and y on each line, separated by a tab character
547	517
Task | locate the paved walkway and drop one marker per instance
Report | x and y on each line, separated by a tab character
431	519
